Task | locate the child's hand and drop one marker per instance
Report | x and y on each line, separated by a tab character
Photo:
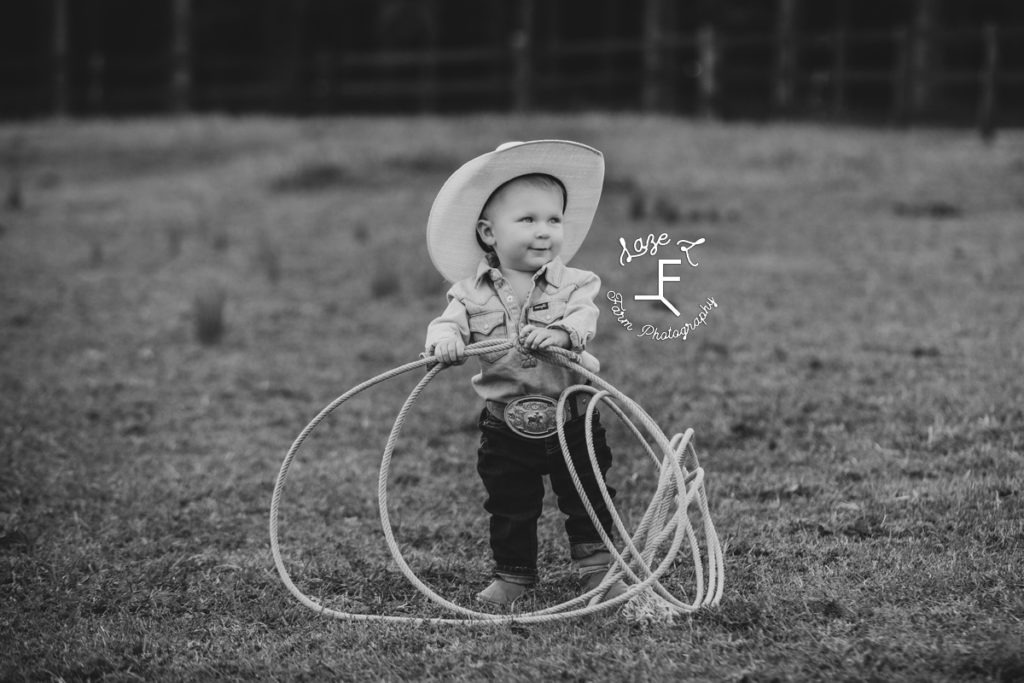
534	338
451	351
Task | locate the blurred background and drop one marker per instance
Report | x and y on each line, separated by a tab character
889	61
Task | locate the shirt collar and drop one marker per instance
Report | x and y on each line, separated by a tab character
552	272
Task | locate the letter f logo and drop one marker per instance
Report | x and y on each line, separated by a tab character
662	279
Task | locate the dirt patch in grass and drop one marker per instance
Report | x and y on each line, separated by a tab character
314	177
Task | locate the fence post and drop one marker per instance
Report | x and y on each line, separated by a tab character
609	27
428	80
428	67
322	81
920	57
521	48
707	67
785	56
839	72
498	69
60	57
840	40
653	62
181	56
989	81
550	63
901	40
94	91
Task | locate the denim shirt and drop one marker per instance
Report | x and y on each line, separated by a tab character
485	307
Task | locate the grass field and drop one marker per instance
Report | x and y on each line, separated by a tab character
857	399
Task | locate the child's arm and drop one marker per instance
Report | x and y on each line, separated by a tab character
579	322
448	333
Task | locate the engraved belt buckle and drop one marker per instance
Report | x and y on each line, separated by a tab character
531	416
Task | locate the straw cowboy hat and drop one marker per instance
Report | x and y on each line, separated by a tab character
451	227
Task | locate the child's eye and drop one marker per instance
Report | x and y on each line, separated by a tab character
527	219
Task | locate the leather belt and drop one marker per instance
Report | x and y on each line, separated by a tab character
533	416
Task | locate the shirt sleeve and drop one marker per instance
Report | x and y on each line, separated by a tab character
580	319
454	322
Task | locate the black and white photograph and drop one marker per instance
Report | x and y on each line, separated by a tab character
512	340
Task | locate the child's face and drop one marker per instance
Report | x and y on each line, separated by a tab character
523	225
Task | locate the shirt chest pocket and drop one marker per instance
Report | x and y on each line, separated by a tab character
545	313
488	325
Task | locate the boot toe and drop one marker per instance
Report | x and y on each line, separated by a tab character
501	593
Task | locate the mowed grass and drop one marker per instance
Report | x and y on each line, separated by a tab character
857	400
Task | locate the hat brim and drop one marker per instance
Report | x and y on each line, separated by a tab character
451	227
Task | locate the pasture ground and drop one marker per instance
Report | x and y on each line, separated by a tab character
856	398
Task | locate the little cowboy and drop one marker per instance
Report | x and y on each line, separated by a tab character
502	229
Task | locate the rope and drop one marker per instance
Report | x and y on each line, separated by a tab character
662	529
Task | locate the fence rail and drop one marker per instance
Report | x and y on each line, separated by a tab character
707	72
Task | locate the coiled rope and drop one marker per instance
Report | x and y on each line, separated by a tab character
662	529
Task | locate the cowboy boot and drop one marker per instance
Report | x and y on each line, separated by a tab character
504	590
593	569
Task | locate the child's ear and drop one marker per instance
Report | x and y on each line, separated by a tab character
484	230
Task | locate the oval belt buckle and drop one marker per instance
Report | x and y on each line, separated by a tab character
531	416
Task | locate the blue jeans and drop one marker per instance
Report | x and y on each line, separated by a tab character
512	469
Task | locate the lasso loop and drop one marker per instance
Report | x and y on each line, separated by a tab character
662	529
